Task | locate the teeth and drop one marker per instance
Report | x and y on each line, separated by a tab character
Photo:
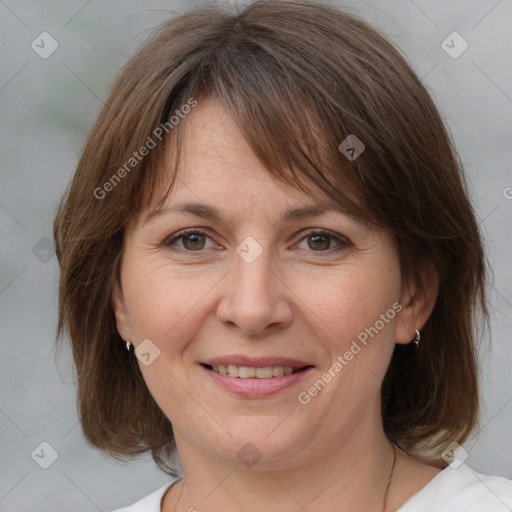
232	370
249	372
278	371
246	372
264	373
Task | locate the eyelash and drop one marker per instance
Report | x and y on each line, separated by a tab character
343	243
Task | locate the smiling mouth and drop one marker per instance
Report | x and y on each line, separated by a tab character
251	372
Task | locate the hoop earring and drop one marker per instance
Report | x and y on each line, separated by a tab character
417	338
129	347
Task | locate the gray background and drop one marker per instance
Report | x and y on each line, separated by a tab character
47	107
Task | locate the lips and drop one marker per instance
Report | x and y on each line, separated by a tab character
255	377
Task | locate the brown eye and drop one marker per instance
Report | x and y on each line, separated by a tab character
193	241
190	241
319	242
323	241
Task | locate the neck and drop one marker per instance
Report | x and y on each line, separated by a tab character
352	476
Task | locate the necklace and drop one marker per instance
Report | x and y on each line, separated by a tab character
389	479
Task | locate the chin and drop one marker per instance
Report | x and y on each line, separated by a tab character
262	442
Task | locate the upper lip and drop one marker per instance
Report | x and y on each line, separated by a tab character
256	362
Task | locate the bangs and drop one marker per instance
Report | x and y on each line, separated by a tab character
292	123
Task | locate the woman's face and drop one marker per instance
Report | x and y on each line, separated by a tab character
255	291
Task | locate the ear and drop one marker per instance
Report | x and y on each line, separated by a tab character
417	301
121	314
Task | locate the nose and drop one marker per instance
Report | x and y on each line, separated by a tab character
255	297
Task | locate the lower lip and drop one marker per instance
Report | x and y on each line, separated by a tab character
255	388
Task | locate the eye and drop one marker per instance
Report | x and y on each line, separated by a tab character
192	240
321	241
195	240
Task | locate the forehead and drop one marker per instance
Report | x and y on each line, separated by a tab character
214	148
217	164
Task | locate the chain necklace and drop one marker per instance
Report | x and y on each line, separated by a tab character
389	479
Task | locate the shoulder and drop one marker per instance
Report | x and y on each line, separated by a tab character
150	503
462	489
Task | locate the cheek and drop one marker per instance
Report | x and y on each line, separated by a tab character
352	300
163	302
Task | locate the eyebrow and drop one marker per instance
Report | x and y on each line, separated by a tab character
212	213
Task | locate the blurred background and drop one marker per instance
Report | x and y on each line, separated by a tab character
58	60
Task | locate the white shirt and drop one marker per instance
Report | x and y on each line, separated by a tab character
451	490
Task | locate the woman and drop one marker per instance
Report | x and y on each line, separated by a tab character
270	262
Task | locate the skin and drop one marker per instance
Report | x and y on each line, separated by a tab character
295	300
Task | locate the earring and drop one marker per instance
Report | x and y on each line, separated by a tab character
417	338
129	347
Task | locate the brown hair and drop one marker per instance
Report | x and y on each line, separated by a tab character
297	77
